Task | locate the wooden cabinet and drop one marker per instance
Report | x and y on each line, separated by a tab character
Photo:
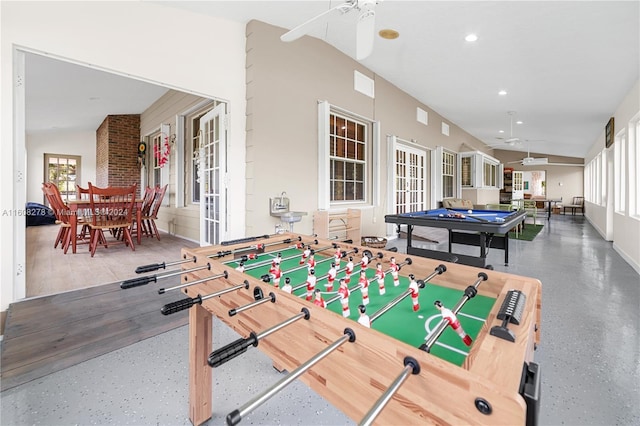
506	193
341	225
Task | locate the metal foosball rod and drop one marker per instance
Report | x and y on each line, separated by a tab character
233	349
297	268
136	282
259	300
266	262
244	258
180	305
236	416
411	366
187	284
440	269
469	293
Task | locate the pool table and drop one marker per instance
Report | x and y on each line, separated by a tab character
482	228
447	389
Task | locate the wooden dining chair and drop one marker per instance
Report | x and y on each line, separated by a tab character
147	203
63	232
111	210
151	217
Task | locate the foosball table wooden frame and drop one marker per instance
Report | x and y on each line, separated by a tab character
493	373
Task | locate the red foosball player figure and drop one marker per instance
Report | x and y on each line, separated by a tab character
276	260
348	270
240	267
380	278
413	286
343	291
451	318
331	276
318	300
311	262
305	255
276	274
364	318
311	284
364	286
287	285
394	271
338	256
364	262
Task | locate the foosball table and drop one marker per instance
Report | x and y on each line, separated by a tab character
385	337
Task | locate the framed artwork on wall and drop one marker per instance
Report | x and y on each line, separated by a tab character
608	133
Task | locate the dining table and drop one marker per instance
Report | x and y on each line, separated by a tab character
76	206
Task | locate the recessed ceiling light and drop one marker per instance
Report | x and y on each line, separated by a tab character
502	92
500	131
519	122
389	34
471	37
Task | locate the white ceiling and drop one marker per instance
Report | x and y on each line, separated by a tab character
566	65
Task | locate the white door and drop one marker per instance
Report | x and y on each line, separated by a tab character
410	180
518	186
212	173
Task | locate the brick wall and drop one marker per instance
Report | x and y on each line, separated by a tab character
117	141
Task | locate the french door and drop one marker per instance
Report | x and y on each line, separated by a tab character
212	174
410	170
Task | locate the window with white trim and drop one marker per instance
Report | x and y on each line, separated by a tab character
348	140
64	172
156	149
448	174
192	128
620	167
479	170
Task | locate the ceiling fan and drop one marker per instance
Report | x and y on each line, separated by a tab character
511	140
540	161
365	27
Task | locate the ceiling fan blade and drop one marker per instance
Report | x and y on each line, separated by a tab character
365	31
305	27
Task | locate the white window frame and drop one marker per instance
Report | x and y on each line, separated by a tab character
486	172
634	166
620	167
372	158
70	194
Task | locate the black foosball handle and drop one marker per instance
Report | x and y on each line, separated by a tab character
150	268
180	305
232	350
137	282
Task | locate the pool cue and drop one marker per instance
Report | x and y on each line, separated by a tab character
411	366
180	305
259	300
469	293
136	282
236	416
233	349
213	277
421	284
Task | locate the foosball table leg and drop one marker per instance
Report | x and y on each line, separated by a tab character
200	374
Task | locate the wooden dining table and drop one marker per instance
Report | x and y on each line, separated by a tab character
78	205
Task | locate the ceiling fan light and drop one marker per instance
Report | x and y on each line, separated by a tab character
471	38
388	34
502	92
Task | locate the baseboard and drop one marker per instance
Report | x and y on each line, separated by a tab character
627	258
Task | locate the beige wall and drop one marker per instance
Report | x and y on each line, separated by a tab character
284	83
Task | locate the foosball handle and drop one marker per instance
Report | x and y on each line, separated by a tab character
232	350
150	268
180	305
136	282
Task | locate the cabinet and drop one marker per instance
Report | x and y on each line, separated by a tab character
341	225
506	193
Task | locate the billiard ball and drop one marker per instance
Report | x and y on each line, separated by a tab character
441	215
470	211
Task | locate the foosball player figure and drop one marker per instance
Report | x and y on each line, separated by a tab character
338	256
276	260
348	269
380	278
364	318
413	286
305	255
318	300
364	262
287	285
240	267
276	274
364	286
311	284
343	291
331	276
311	262
452	319
394	271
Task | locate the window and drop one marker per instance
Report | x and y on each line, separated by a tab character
64	171
620	166
347	158
634	166
448	174
478	170
156	149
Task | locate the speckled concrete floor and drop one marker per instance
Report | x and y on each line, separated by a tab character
589	354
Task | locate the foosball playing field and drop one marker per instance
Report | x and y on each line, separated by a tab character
412	341
400	322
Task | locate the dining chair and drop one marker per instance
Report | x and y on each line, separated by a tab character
145	210
150	219
63	232
111	210
576	204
